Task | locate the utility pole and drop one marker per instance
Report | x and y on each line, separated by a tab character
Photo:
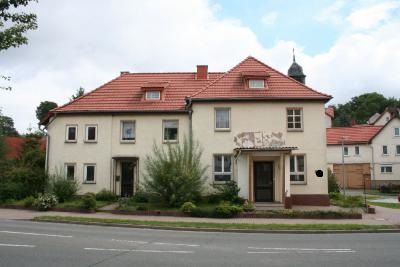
343	168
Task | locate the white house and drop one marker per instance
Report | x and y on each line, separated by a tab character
257	126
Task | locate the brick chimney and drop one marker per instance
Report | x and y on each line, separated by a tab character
202	72
124	72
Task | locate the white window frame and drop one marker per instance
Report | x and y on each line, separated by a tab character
85	181
67	127
355	150
218	129
387	150
293	129
346	148
153	95
384	169
163	131
394	132
296	171
66	165
397	154
87	133
253	83
222	172
122	140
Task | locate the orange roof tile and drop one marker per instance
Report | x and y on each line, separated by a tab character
357	134
330	112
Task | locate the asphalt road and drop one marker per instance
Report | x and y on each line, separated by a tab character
24	243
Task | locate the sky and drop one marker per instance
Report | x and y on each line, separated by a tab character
346	48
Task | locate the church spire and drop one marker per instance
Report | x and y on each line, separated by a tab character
296	71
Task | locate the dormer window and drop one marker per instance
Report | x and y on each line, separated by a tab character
153	95
256	84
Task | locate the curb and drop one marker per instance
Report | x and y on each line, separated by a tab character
217	230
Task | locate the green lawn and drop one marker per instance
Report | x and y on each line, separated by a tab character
220	226
377	192
386	205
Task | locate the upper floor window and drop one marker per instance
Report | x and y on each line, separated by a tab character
386	169
397	149
295	119
153	95
346	150
128	133
357	150
89	173
222	119
397	131
256	84
170	130
71	133
385	150
222	168
90	133
70	171
297	168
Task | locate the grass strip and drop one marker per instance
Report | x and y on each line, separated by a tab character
209	225
385	205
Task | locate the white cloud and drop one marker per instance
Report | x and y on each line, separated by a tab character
269	18
372	16
332	13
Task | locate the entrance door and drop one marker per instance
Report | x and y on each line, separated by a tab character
264	181
127	178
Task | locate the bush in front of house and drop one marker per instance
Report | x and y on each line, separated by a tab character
228	191
248	206
64	189
141	196
333	186
28	202
88	201
46	201
227	210
203	212
106	195
176	173
187	207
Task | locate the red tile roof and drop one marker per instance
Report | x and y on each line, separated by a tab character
357	134
14	145
279	86
125	93
330	112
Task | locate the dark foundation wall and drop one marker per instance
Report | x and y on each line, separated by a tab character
310	200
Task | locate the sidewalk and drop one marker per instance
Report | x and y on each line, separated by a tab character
383	216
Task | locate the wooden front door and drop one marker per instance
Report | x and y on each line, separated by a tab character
127	169
264	181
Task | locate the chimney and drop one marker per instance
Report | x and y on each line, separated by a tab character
124	72
202	72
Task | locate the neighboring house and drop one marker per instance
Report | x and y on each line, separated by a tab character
384	117
256	126
329	116
371	154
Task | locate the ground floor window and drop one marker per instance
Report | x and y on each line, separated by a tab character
297	168
89	173
70	171
386	169
222	168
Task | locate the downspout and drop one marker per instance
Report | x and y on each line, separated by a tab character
373	166
190	110
46	164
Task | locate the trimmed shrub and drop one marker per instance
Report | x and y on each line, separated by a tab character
202	212
64	189
188	207
333	186
248	206
46	201
176	173
11	191
106	195
28	201
226	210
141	207
141	197
229	191
89	201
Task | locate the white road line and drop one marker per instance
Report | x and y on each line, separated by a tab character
16	245
304	249
142	250
156	243
300	252
35	234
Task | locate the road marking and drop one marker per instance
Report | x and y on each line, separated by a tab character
142	250
298	250
156	243
16	245
36	234
304	249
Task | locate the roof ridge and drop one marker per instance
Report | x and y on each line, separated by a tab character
219	78
286	76
173	72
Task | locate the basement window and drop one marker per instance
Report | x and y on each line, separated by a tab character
153	95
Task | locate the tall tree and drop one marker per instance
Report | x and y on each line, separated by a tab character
44	108
79	92
7	126
13	26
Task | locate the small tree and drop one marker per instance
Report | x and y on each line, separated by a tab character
80	92
333	186
175	173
